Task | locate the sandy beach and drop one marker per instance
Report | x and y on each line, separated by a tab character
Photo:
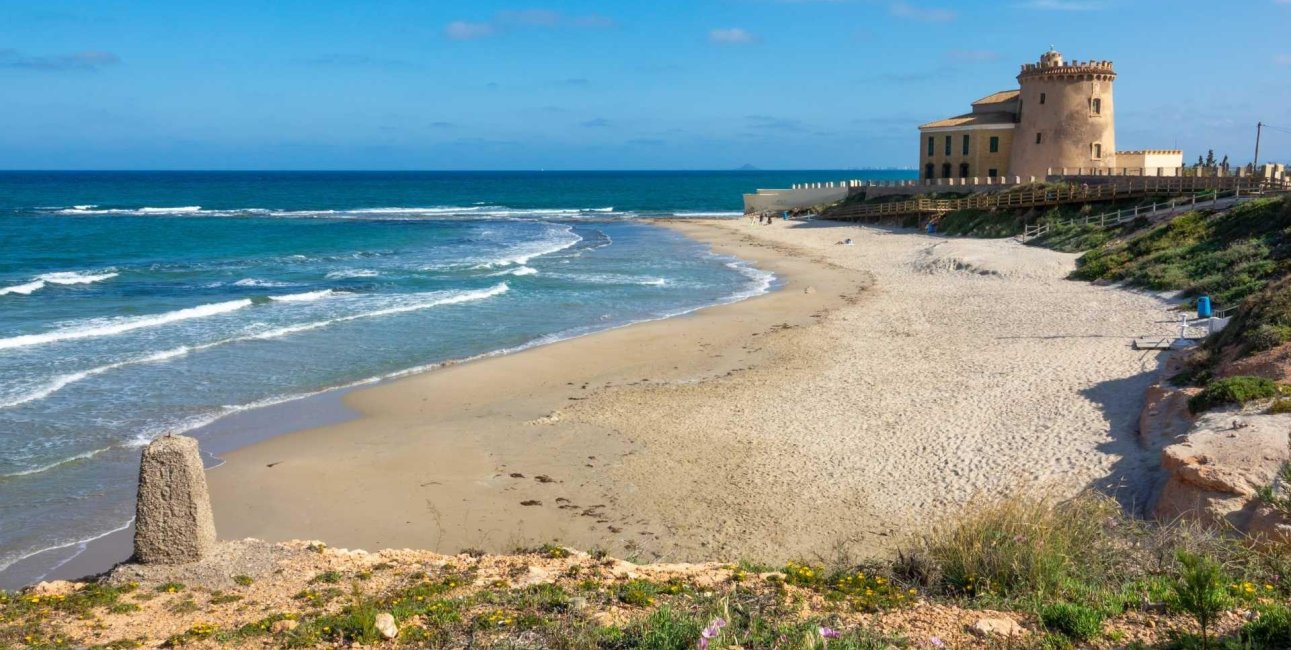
884	384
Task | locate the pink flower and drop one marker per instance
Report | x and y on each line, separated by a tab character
937	642
829	633
710	633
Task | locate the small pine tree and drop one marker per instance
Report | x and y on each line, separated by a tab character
1199	590
1210	157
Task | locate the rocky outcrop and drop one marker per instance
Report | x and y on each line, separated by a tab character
173	520
1165	415
997	627
1270	525
1215	473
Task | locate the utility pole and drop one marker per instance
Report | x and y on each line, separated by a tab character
1259	130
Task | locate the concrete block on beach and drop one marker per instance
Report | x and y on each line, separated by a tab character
173	520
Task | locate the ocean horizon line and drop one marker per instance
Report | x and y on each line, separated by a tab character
457	171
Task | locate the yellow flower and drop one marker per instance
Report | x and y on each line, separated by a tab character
1268	587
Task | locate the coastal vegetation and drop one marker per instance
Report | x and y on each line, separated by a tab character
1239	258
1020	573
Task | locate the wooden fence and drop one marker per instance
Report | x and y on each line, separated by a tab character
1118	217
1121	188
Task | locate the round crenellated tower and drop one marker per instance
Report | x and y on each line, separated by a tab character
1065	116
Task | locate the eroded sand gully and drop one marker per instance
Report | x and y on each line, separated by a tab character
887	383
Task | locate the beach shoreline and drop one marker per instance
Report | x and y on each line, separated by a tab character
253	426
713	435
455	453
885	385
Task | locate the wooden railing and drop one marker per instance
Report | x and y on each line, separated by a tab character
1118	217
1114	189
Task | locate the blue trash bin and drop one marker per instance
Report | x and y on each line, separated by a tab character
932	227
1203	307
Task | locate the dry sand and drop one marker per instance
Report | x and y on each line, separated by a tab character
886	384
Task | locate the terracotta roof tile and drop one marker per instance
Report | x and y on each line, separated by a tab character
999	98
971	119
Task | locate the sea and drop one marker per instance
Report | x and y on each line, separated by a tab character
134	304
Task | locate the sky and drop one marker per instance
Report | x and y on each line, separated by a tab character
581	84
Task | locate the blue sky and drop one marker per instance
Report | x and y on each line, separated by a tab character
699	84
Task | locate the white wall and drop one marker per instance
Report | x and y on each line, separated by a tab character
776	200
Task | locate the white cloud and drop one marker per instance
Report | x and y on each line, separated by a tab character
731	36
460	30
907	10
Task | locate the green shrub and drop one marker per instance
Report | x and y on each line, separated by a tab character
244	581
330	577
1026	546
1270	631
1269	336
638	593
1074	621
1232	390
1199	591
664	629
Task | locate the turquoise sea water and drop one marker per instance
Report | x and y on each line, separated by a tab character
133	304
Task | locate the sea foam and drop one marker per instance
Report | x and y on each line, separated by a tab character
116	326
23	289
304	297
72	277
62	277
63	381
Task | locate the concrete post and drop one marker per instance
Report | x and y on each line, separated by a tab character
173	520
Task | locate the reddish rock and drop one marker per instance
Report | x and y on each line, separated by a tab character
1215	474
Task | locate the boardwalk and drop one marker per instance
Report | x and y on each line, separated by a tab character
1129	188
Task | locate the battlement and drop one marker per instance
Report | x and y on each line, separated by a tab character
1072	69
1151	152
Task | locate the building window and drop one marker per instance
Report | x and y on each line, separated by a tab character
963	170
1038	138
993	173
945	170
932	145
1098	151
929	172
965	145
995	144
1096	106
1042	98
947	145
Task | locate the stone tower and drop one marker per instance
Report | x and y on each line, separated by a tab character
1066	117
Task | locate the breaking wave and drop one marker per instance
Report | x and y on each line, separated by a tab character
121	325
